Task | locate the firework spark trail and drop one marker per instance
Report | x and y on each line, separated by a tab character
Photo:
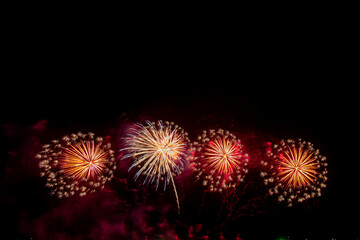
76	164
294	170
158	151
219	160
176	195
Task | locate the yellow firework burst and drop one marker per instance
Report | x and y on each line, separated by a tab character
158	151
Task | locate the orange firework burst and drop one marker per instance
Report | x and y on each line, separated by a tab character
222	155
76	164
294	171
298	167
83	160
219	160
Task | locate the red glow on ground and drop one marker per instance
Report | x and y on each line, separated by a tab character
191	232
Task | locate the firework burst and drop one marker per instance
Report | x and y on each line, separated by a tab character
76	164
294	171
219	160
158	151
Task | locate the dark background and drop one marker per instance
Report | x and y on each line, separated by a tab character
272	91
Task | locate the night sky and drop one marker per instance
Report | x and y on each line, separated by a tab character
258	100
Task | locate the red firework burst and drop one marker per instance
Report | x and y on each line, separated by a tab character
222	155
219	160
